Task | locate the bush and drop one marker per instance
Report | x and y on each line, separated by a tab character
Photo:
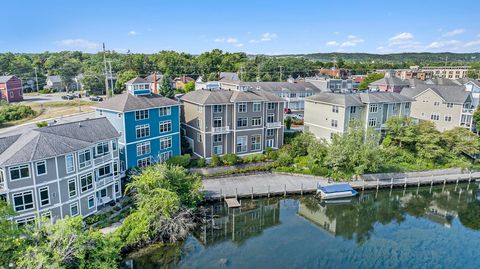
42	124
200	163
183	160
216	160
45	91
230	159
271	154
15	112
284	159
288	123
254	158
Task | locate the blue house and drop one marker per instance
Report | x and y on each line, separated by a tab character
149	124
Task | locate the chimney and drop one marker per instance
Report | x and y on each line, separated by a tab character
155	83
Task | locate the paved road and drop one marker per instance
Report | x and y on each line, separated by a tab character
18	129
43	98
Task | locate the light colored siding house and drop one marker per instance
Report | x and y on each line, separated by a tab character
62	170
149	124
389	83
239	122
330	113
446	106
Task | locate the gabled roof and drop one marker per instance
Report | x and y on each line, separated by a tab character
128	102
55	140
150	77
450	94
136	80
4	79
207	97
184	79
281	86
391	81
359	99
228	76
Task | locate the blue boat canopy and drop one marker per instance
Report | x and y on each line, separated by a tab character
337	188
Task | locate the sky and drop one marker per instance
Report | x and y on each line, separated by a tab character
255	27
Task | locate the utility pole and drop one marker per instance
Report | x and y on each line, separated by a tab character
110	75
241	72
105	69
281	73
36	77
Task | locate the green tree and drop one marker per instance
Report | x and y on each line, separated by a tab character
369	79
288	122
460	140
189	86
10	239
93	83
166	88
122	78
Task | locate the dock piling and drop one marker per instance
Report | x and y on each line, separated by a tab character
378	183
268	192
285	190
391	183
301	190
236	193
405	182
252	192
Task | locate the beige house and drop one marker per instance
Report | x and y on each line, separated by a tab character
447	106
330	113
240	122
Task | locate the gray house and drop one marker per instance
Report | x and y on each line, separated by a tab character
239	122
62	170
55	83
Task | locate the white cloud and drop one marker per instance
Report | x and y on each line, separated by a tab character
79	44
219	40
351	42
332	43
472	43
231	40
265	37
239	45
131	32
401	38
454	32
450	44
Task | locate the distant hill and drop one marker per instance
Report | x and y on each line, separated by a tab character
420	57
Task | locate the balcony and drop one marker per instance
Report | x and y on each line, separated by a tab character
275	124
104	200
2	187
221	130
105	180
468	111
102	159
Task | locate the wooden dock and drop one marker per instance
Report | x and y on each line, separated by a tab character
232	202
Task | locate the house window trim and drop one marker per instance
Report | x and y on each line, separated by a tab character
22	194
168	111
143	148
217	147
167	123
217	109
258	105
143	114
84	164
74	180
370	120
19	173
242	104
88	201
138	131
87	185
72	205
169	142
36	167
40	196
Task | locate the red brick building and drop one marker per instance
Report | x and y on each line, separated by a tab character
11	89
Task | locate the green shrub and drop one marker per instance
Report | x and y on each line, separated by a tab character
230	159
15	112
216	160
42	124
271	154
284	159
288	123
200	163
183	160
45	91
254	158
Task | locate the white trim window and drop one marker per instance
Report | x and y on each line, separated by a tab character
217	122
373	108
242	122
165	111
372	122
72	187
435	116
353	109
91	202
24	221
114	144
218	150
217	108
143	148
448	118
141	114
334	123
335	109
257	107
436	103
271	106
271	117
449	105
165	156
269	143
142	131
241	144
199	137
270	132
69	163
44	196
144	161
217	138
104	171
86	182
41	168
256	142
407	105
165	126
74	209
19	172
23	201
165	143
257	121
242	107
102	148
84	158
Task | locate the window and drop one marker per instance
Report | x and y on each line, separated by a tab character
165	126
257	107
218	150
436	103
115	168
372	122
144	162
334	123
335	109
166	142
44	197
353	109
271	118
104	171
435	116
269	143
270	132
256	142
72	187
103	193
165	156
448	118
241	144
11	94
217	138
143	148
23	201
407	105
242	107
91	201
19	172
449	105
394	107
84	158
217	122
24	221
102	148
117	187
142	130
217	109
41	168
114	144
69	163
271	106
141	114
373	108
74	209
165	111
86	182
256	121
242	122
199	137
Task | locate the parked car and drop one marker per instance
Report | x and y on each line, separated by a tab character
96	98
287	110
68	97
77	95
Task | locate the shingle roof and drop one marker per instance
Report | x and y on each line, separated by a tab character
358	99
136	80
279	86
128	102
207	97
150	77
55	140
229	76
392	81
451	94
4	79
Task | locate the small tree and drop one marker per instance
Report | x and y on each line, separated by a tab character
230	159
216	160
189	86
166	88
369	79
288	123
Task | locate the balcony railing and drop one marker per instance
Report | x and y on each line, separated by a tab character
101	159
275	124
104	181
468	110
2	187
104	200
221	130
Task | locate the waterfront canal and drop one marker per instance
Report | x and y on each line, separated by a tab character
426	227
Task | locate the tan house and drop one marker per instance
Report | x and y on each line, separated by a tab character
447	106
240	122
330	113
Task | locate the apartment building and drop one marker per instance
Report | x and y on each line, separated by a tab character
62	170
446	105
331	85
389	83
451	72
292	93
239	122
148	123
330	113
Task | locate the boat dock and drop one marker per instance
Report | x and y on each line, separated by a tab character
277	184
232	202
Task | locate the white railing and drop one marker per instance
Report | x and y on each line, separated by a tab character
104	200
104	181
2	187
101	159
219	130
468	110
275	124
